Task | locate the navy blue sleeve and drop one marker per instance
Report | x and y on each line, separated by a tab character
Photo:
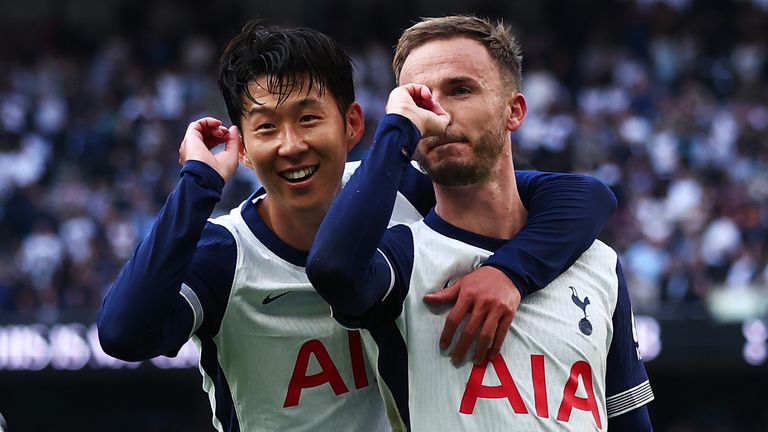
392	267
566	212
417	189
210	277
627	386
143	314
346	270
637	420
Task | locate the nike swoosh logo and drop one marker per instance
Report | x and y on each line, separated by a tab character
269	299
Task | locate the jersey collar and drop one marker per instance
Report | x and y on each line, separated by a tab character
438	224
262	232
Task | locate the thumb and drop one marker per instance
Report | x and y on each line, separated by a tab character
234	142
447	295
228	158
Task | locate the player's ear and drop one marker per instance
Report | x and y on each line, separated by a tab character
354	124
242	153
517	108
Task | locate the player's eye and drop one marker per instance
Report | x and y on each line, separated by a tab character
263	127
306	118
461	90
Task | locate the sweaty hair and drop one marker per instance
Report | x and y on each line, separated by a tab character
291	59
496	37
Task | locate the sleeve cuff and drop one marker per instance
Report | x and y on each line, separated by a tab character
209	177
519	282
408	128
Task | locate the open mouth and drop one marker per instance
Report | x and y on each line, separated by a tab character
299	175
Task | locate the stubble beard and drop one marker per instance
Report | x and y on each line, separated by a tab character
486	151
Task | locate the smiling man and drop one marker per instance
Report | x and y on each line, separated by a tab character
272	357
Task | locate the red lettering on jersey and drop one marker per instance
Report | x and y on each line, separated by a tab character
300	380
358	360
570	400
475	388
539	379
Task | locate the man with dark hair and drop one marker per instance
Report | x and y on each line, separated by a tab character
572	359
271	356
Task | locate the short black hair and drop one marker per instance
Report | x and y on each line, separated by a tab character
291	58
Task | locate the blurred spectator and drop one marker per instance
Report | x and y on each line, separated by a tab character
664	100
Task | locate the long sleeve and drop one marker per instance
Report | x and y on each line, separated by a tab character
146	313
566	212
627	387
363	207
637	420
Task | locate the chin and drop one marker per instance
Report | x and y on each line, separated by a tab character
311	205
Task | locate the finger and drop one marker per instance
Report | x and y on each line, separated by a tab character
487	335
468	334
438	109
234	141
182	153
424	99
501	334
232	144
209	122
202	127
215	136
195	129
447	295
452	322
220	131
228	158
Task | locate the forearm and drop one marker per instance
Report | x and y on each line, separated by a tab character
342	255
566	212
143	314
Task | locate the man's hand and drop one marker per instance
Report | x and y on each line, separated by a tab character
205	134
414	101
491	300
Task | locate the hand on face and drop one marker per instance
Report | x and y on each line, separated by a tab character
205	134
414	101
489	300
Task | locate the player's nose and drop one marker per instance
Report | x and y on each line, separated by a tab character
292	143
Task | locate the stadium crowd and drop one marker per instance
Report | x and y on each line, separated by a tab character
664	101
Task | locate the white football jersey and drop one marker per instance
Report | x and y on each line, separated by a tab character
554	370
279	361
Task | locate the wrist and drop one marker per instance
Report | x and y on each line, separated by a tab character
516	282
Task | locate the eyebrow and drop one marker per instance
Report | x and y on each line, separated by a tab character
257	108
459	80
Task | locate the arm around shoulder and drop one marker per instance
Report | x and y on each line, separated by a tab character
566	213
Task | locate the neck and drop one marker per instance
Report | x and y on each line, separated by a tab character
491	208
297	229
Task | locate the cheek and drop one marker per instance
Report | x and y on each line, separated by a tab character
257	156
330	142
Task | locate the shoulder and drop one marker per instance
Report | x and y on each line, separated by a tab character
217	232
600	256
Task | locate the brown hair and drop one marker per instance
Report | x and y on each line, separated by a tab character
496	37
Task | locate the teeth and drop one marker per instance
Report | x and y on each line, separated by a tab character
300	173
